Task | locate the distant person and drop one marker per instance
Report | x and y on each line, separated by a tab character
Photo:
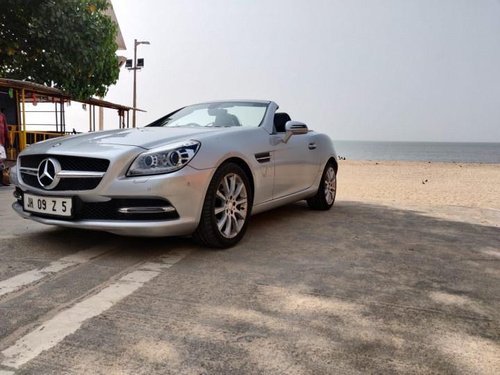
4	141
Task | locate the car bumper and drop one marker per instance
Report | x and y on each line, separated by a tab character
184	191
125	228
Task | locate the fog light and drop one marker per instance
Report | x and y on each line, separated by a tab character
18	195
146	210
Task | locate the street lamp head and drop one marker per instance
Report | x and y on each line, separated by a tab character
142	42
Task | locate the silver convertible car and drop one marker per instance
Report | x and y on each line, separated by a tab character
201	170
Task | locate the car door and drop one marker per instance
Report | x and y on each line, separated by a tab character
296	163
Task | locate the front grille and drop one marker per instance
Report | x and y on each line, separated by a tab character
64	184
68	163
109	210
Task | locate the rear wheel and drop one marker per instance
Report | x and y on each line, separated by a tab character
327	190
226	209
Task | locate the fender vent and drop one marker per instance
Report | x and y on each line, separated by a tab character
263	157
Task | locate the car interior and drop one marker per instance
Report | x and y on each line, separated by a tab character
223	118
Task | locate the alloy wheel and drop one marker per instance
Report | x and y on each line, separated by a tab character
231	205
330	185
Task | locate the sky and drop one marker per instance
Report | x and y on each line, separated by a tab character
412	70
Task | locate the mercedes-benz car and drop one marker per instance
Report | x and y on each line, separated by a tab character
200	170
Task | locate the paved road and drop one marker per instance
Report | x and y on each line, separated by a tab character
360	289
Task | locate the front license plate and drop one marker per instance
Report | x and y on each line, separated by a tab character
48	205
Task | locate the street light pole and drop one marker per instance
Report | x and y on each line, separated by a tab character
135	83
134	68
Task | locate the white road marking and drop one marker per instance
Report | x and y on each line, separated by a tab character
7	237
491	251
29	277
70	320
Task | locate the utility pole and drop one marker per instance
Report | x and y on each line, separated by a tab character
135	65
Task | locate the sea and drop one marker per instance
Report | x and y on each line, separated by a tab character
420	151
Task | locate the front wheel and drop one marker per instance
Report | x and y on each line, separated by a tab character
325	197
226	209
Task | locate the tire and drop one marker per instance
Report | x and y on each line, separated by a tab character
227	208
327	190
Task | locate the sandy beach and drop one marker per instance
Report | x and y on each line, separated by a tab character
468	192
426	183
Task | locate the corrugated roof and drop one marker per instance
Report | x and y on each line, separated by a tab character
35	87
54	92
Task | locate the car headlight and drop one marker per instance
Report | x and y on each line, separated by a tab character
165	159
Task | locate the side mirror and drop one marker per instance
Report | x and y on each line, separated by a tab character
294	128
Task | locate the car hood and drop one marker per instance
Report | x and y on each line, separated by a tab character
145	138
150	137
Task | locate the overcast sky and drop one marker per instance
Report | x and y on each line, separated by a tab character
410	70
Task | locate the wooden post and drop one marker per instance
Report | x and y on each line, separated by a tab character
90	118
22	138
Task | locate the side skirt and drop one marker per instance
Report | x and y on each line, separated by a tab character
269	205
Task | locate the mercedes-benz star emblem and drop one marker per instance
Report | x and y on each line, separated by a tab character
48	170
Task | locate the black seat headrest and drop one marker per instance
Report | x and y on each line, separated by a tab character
280	120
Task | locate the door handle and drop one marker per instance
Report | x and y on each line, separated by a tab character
312	146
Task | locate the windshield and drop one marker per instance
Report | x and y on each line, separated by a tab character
222	114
